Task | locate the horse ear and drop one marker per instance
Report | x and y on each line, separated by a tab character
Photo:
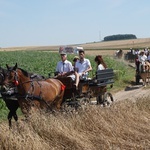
15	67
7	66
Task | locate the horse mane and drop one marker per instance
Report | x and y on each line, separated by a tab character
31	75
24	72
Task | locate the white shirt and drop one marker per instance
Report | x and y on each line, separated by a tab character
142	58
100	67
65	66
82	66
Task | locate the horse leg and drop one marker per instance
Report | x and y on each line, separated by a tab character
148	77
16	106
144	82
15	116
9	117
60	100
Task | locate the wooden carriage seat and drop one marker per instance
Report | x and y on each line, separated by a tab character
103	77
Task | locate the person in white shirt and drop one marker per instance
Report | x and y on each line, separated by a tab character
142	58
100	63
65	68
83	65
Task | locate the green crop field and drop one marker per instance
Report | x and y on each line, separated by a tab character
45	62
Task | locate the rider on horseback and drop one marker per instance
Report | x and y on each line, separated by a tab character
142	58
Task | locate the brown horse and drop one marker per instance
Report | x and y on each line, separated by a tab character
10	97
34	94
146	75
119	54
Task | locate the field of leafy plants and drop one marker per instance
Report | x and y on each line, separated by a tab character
44	62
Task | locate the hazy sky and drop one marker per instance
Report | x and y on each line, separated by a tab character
62	22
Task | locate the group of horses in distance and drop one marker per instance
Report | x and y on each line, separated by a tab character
129	56
32	92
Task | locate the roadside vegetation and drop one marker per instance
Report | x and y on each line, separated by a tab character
125	125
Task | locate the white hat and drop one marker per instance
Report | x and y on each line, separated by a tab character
63	53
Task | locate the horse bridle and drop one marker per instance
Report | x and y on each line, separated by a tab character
29	96
16	82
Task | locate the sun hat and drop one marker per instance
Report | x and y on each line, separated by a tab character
75	58
63	53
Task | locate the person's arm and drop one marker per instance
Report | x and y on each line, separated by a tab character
70	69
89	68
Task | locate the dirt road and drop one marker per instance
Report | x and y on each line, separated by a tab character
132	92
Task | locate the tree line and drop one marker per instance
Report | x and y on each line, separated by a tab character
120	37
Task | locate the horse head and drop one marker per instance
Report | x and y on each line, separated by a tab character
147	66
12	68
13	76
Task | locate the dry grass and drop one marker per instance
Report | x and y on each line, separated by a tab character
123	126
120	44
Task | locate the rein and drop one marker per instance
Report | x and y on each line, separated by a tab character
29	96
26	82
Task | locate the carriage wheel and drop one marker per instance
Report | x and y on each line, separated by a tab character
84	102
99	99
108	99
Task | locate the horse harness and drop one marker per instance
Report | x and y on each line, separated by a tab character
28	96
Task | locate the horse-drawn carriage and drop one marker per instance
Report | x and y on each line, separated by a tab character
89	89
50	93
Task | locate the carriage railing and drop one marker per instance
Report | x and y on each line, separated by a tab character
103	77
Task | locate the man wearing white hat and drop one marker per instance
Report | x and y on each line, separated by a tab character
65	68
